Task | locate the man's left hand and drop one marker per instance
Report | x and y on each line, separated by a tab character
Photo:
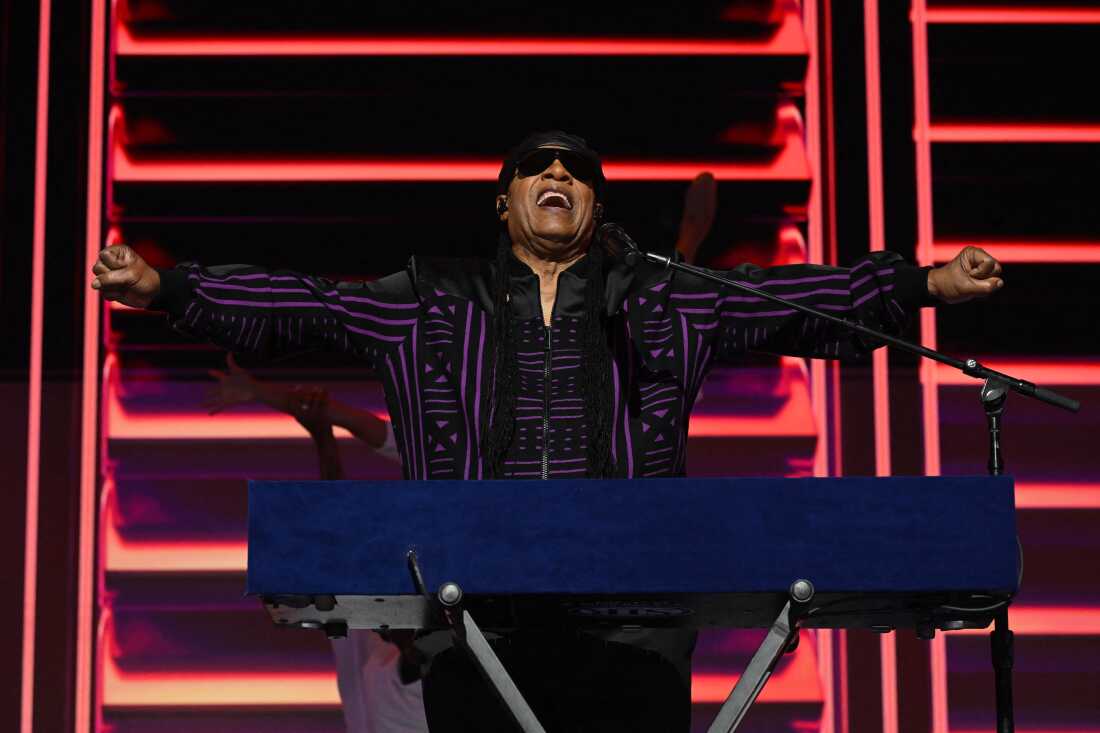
972	274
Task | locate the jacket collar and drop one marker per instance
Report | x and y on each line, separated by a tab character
474	279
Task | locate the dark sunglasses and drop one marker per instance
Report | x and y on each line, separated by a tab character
579	166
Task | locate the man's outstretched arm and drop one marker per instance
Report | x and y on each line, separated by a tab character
249	309
881	291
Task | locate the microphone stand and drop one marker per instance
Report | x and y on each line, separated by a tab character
969	367
994	393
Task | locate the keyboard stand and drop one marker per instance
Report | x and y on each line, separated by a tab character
782	638
469	638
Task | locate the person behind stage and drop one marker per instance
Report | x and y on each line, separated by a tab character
556	359
378	681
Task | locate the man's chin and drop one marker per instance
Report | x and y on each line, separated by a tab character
555	240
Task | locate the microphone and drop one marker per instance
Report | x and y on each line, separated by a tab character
614	237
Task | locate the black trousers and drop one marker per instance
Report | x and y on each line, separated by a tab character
574	683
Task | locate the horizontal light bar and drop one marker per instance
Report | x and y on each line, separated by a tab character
168	425
121	555
1023	729
796	682
787	40
1048	621
790	164
1039	253
1031	495
217	689
161	556
1044	373
1014	133
1012	14
793	419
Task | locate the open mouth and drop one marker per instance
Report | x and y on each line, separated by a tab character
554	200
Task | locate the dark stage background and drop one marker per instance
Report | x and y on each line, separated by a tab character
339	137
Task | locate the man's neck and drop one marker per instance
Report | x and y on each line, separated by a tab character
547	271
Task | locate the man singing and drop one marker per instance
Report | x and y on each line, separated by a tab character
556	360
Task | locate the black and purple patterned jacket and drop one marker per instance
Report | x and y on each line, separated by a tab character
423	332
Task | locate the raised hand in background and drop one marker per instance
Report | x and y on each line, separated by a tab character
234	386
700	204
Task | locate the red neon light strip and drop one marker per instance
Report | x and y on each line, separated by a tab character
938	672
1043	372
994	15
101	655
790	165
166	557
1049	621
1030	730
1057	496
793	419
818	373
146	557
842	672
795	683
1048	253
877	216
89	434
888	659
34	382
833	368
925	235
788	40
1014	133
876	209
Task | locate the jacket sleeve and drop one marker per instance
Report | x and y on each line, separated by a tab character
881	291
274	313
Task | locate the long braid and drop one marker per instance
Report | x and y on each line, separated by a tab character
497	437
597	358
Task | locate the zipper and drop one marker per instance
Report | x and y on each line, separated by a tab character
546	404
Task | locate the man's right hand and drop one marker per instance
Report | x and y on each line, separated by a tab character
122	275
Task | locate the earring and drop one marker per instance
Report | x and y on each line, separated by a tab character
502	206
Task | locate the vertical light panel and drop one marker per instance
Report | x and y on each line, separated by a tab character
876	209
826	55
34	381
842	677
819	393
925	256
925	234
89	433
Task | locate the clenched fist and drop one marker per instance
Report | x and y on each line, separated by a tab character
972	274
122	275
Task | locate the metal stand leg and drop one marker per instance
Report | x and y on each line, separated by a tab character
1001	644
993	396
469	638
781	638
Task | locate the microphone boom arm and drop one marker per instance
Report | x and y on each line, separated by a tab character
969	367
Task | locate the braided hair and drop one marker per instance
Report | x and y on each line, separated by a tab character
595	355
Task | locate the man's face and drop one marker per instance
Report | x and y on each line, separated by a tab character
550	212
